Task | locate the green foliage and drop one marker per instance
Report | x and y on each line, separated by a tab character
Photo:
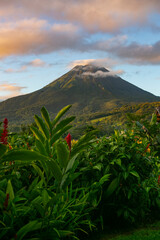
46	205
50	190
132	169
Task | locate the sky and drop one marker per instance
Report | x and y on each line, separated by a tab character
40	40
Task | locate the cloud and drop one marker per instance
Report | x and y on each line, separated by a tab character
35	36
104	74
36	63
9	90
11	70
103	62
93	15
29	28
107	63
133	53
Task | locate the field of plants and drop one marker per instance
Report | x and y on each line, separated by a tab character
56	187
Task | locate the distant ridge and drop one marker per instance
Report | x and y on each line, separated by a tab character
88	88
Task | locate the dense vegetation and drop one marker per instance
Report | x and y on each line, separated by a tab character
55	187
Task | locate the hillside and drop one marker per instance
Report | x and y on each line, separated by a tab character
89	89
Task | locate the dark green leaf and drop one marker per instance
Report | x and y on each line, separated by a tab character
10	190
62	154
112	187
29	227
46	118
59	134
60	114
38	134
42	127
40	146
3	149
62	124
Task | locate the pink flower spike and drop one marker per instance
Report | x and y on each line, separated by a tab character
68	140
5	123
4	134
6	201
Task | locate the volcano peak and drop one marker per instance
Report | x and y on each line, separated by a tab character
89	68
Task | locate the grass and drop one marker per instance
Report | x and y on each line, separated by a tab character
145	234
150	232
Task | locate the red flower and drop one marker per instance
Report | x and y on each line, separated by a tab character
6	201
68	140
28	145
5	132
159	180
148	145
147	148
5	122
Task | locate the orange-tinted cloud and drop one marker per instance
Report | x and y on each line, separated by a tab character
40	27
91	14
35	36
9	90
105	62
36	63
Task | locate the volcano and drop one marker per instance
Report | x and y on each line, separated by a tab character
89	89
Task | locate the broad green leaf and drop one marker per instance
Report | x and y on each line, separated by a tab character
148	189
118	161
3	195
71	162
39	209
129	194
46	167
83	142
55	169
134	173
3	149
104	178
67	179
46	118
10	190
112	187
153	119
60	114
45	197
40	173
23	155
86	138
81	147
59	134
33	184
3	183
38	134
98	166
125	175
37	200
62	124
42	127
2	223
64	233
47	147
29	227
62	154
40	146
